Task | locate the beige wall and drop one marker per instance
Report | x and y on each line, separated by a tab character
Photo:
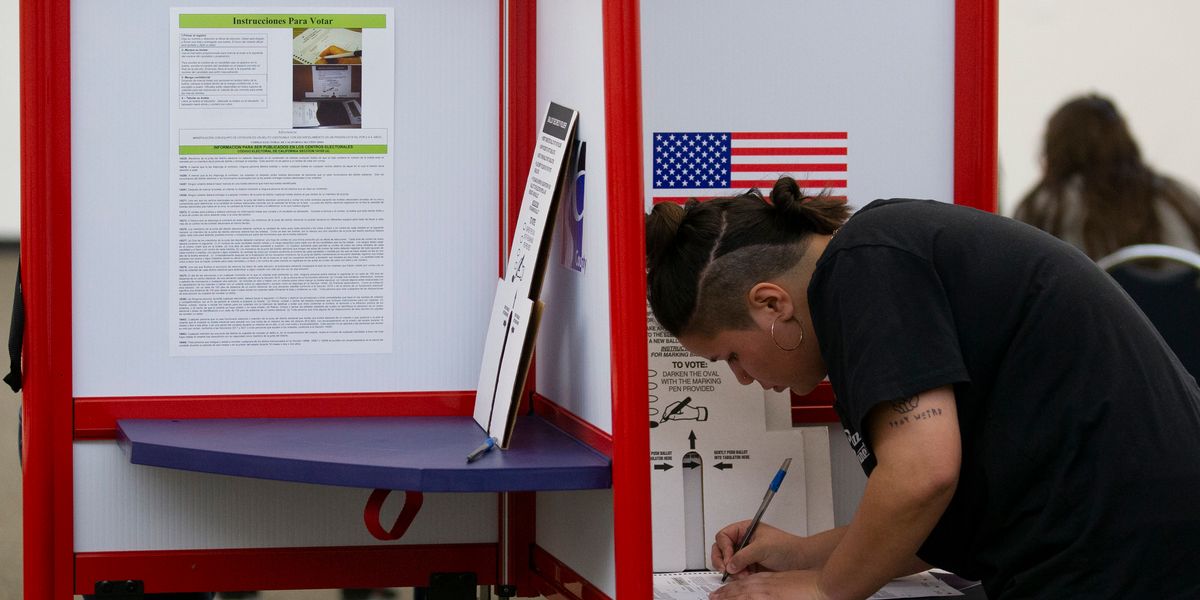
10	469
1142	54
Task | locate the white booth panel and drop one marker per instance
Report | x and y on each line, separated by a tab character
445	212
121	506
881	72
577	529
573	349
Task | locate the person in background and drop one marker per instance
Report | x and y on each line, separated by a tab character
1006	437
1097	193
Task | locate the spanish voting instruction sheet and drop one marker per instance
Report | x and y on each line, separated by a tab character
281	179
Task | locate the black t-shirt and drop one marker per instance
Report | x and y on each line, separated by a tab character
1080	430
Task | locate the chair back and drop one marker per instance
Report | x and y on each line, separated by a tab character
1164	281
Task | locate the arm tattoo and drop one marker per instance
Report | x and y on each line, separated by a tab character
905	410
906	405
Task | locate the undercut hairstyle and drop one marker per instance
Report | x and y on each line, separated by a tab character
703	258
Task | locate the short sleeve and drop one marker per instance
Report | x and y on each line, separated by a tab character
885	328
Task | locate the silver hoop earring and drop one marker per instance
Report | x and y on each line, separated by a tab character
780	346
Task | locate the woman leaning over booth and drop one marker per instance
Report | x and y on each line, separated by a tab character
1019	420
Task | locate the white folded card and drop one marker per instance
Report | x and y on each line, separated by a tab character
516	310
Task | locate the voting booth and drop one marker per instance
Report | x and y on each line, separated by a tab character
259	253
858	100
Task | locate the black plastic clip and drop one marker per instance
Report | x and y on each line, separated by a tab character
129	589
453	586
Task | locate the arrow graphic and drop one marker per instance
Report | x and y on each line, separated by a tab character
723	466
692	439
662	467
691	465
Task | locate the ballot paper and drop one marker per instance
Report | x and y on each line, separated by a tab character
920	585
307	47
304	114
696	585
331	81
685	586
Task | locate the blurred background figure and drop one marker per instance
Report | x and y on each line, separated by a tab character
1096	192
1143	227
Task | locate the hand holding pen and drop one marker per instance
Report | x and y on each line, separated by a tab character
762	508
335	55
675	409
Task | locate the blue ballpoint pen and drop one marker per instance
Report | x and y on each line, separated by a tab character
762	508
483	448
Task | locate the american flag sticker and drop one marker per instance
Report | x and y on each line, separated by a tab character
707	164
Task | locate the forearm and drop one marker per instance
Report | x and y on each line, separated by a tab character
915	565
918	457
895	516
815	549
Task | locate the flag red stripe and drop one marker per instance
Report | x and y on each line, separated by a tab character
788	135
682	199
781	167
761	183
830	151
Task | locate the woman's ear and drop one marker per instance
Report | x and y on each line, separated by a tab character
769	302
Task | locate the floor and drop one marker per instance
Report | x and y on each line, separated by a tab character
10	469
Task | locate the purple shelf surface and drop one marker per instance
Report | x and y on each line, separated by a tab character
422	454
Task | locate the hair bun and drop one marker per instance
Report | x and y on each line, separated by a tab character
662	224
818	214
786	194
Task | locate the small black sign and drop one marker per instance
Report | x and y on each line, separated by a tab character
558	119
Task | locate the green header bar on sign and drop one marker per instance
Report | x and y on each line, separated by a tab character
287	149
254	21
